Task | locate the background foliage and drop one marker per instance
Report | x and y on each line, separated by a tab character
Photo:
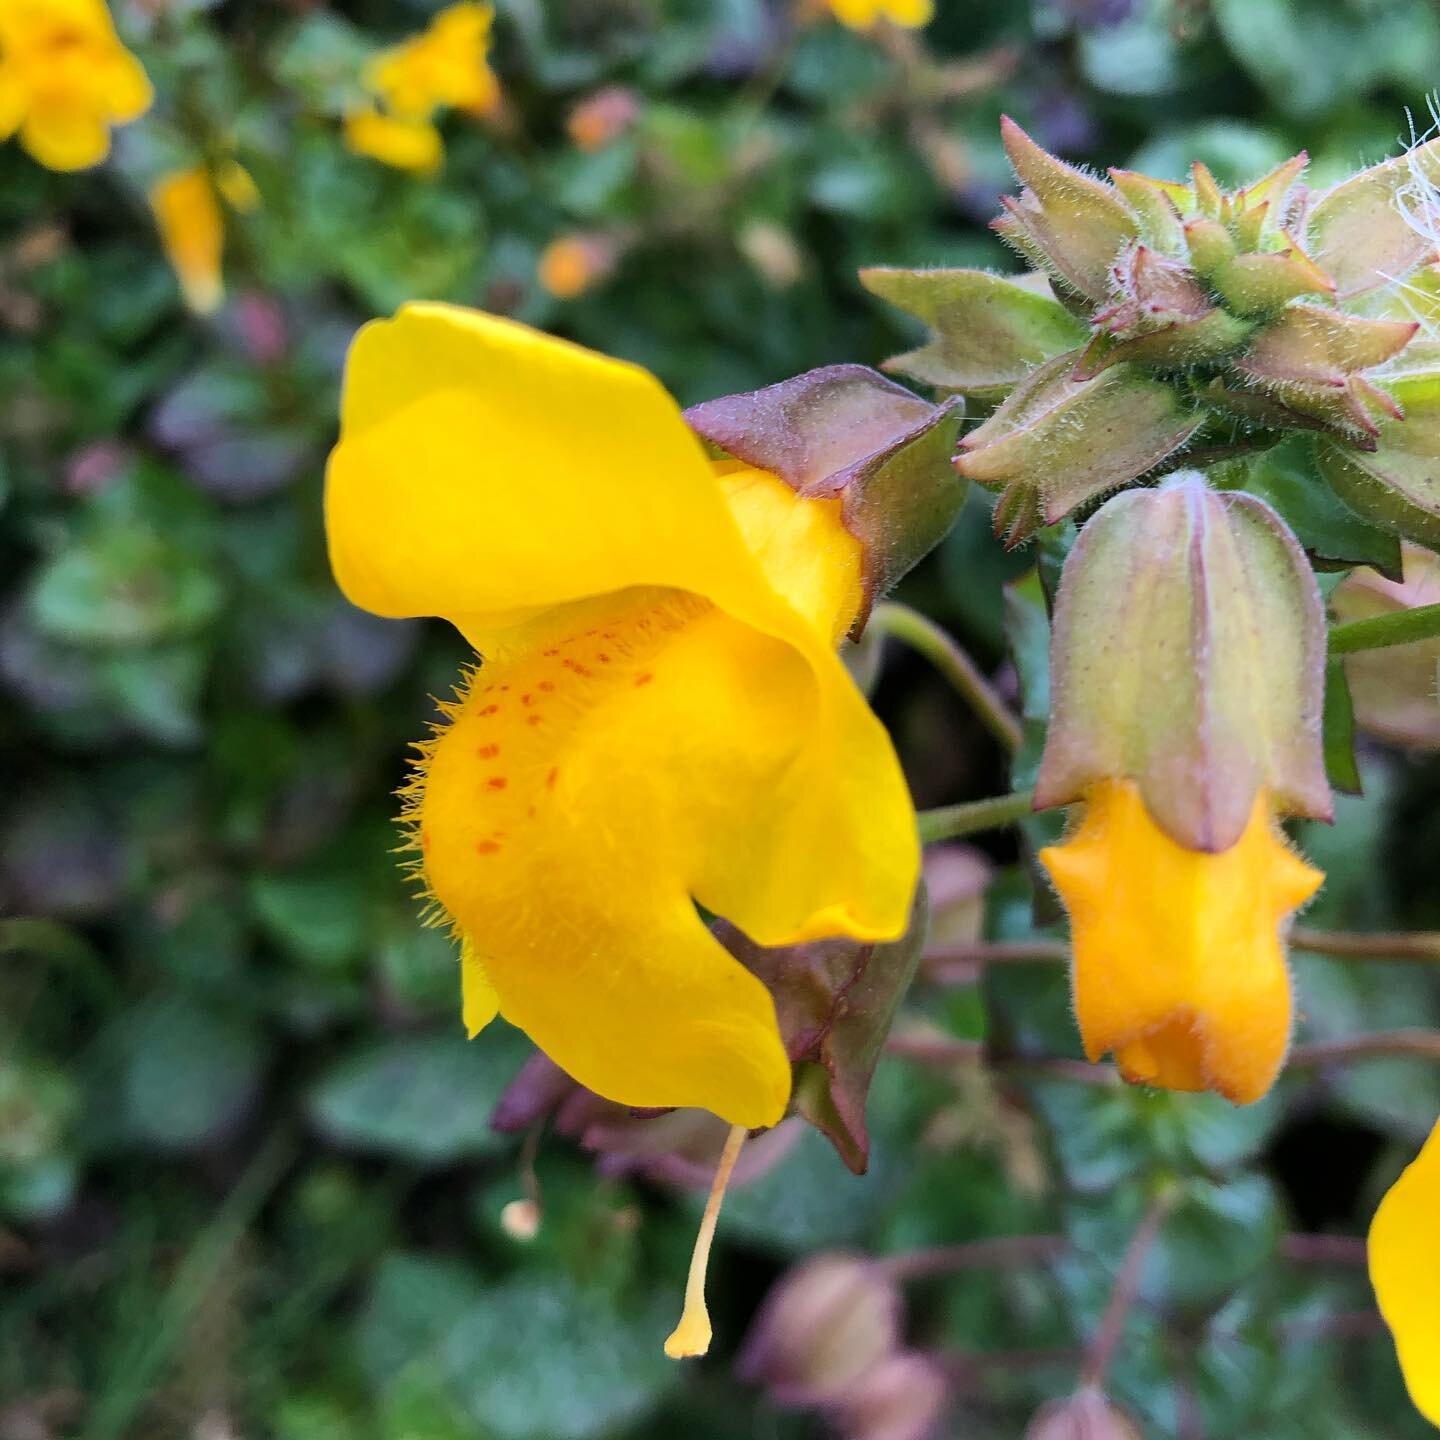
247	1180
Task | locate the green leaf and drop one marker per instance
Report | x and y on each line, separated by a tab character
319	914
1339	727
1286	477
492	1353
422	1098
175	1074
988	332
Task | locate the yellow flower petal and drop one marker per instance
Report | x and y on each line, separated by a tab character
1179	967
661	718
192	231
1405	1271
14	97
124	86
65	134
405	144
864	14
479	1004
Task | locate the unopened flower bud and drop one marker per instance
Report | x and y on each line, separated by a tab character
1085	1415
901	1398
772	250
1394	690
602	117
823	1327
1189	650
1065	221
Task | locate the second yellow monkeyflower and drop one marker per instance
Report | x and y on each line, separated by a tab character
1179	964
1187	672
660	721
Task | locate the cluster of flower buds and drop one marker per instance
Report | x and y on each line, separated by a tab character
1162	318
828	1339
1167	325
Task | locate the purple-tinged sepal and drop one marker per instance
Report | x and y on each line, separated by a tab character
845	432
1188	655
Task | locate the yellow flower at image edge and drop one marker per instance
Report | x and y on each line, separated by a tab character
1405	1271
660	720
1179	966
864	14
65	80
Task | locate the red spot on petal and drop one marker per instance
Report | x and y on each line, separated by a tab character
551	778
487	847
547	686
533	719
644	679
603	659
488	752
490	710
424	839
496	782
527	699
530	813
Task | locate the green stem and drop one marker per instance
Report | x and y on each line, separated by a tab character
1412	1043
1419	945
954	663
950	822
1421	623
1126	1289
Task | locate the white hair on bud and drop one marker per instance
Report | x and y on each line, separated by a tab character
1419	199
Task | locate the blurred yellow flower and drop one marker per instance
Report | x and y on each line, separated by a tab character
864	14
660	722
1179	966
1405	1271
571	264
65	79
405	144
186	204
444	66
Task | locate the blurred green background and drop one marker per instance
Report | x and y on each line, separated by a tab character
248	1183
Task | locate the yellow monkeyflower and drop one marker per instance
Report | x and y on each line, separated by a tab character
406	144
186	204
660	719
65	79
865	14
444	66
1405	1271
1179	966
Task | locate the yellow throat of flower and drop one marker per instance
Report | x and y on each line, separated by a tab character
1179	966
